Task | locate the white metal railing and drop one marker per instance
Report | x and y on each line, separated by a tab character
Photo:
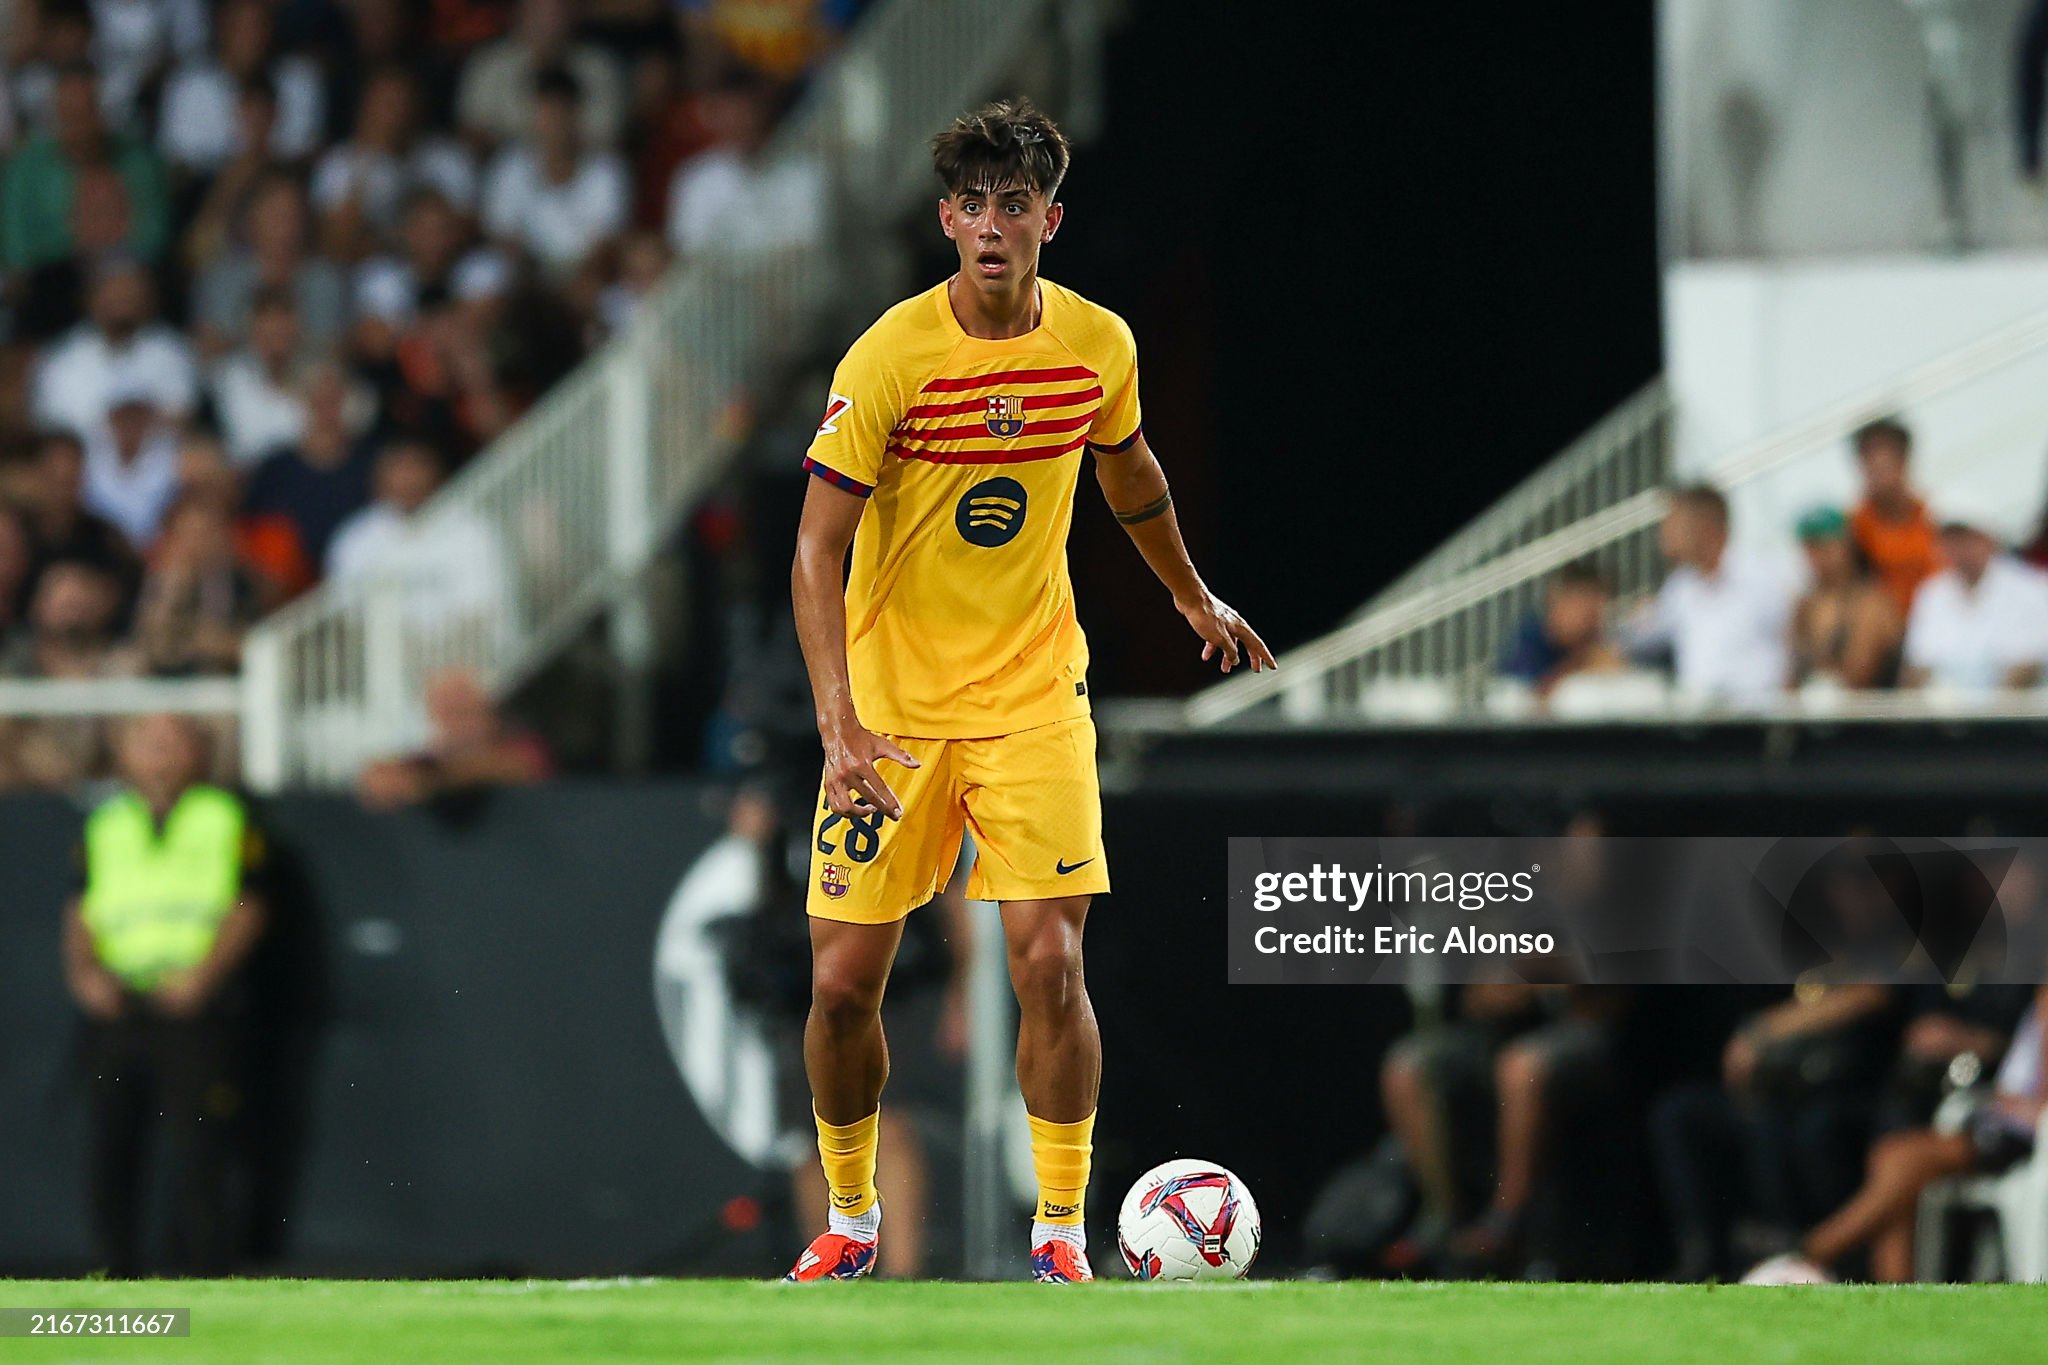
1443	629
566	508
50	697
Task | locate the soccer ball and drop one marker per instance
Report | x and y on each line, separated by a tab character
1188	1220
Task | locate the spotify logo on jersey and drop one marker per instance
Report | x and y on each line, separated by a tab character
991	513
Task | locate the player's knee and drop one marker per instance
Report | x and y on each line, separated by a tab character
844	1000
1047	973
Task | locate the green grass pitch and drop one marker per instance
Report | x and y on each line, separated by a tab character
1273	1322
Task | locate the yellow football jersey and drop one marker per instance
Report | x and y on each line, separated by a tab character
959	612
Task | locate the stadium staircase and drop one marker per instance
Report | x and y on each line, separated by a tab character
1422	651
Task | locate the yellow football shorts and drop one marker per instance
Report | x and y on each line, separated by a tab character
1031	798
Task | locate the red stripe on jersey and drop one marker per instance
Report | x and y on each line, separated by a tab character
1040	428
1031	400
985	381
990	455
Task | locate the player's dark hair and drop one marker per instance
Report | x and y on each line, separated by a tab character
1884	430
1703	498
1009	144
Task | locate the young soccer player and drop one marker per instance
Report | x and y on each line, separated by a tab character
951	445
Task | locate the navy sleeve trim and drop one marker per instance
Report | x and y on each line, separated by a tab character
837	479
1125	444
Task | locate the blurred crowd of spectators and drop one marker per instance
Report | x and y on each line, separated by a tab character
1948	596
271	270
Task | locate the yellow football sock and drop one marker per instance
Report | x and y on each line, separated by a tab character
1059	1154
848	1154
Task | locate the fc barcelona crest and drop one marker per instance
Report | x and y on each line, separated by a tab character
1005	417
832	880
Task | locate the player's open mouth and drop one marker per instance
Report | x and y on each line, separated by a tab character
990	263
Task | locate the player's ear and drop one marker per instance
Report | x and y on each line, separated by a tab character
946	216
1053	214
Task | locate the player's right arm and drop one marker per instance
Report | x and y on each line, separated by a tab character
817	589
846	458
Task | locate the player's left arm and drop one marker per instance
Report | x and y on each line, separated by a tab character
1136	489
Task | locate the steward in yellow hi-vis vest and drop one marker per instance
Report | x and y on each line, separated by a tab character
158	889
166	914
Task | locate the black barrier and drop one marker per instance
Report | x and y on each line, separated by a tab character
466	1001
479	1086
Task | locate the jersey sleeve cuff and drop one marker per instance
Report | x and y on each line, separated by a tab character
837	479
1116	447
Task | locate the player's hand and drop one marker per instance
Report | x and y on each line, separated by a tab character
851	782
1226	633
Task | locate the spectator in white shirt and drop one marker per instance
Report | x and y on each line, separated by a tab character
363	185
450	567
391	292
117	346
198	126
131	466
1981	623
255	391
728	200
547	193
135	40
1723	615
495	102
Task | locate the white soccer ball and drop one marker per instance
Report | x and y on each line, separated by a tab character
1188	1220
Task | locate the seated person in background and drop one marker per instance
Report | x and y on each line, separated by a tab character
197	600
131	465
1890	524
551	195
362	186
1881	1215
253	392
120	345
1568	636
1982	623
197	126
69	634
274	253
36	228
318	483
450	569
730	200
1477	1106
1721	614
473	747
267	545
1767	1148
1944	1023
1846	628
63	527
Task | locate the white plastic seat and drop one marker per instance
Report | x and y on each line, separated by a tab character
2017	1247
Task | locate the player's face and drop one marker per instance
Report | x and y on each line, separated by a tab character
998	234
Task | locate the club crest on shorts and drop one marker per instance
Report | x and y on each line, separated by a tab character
1005	415
832	880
